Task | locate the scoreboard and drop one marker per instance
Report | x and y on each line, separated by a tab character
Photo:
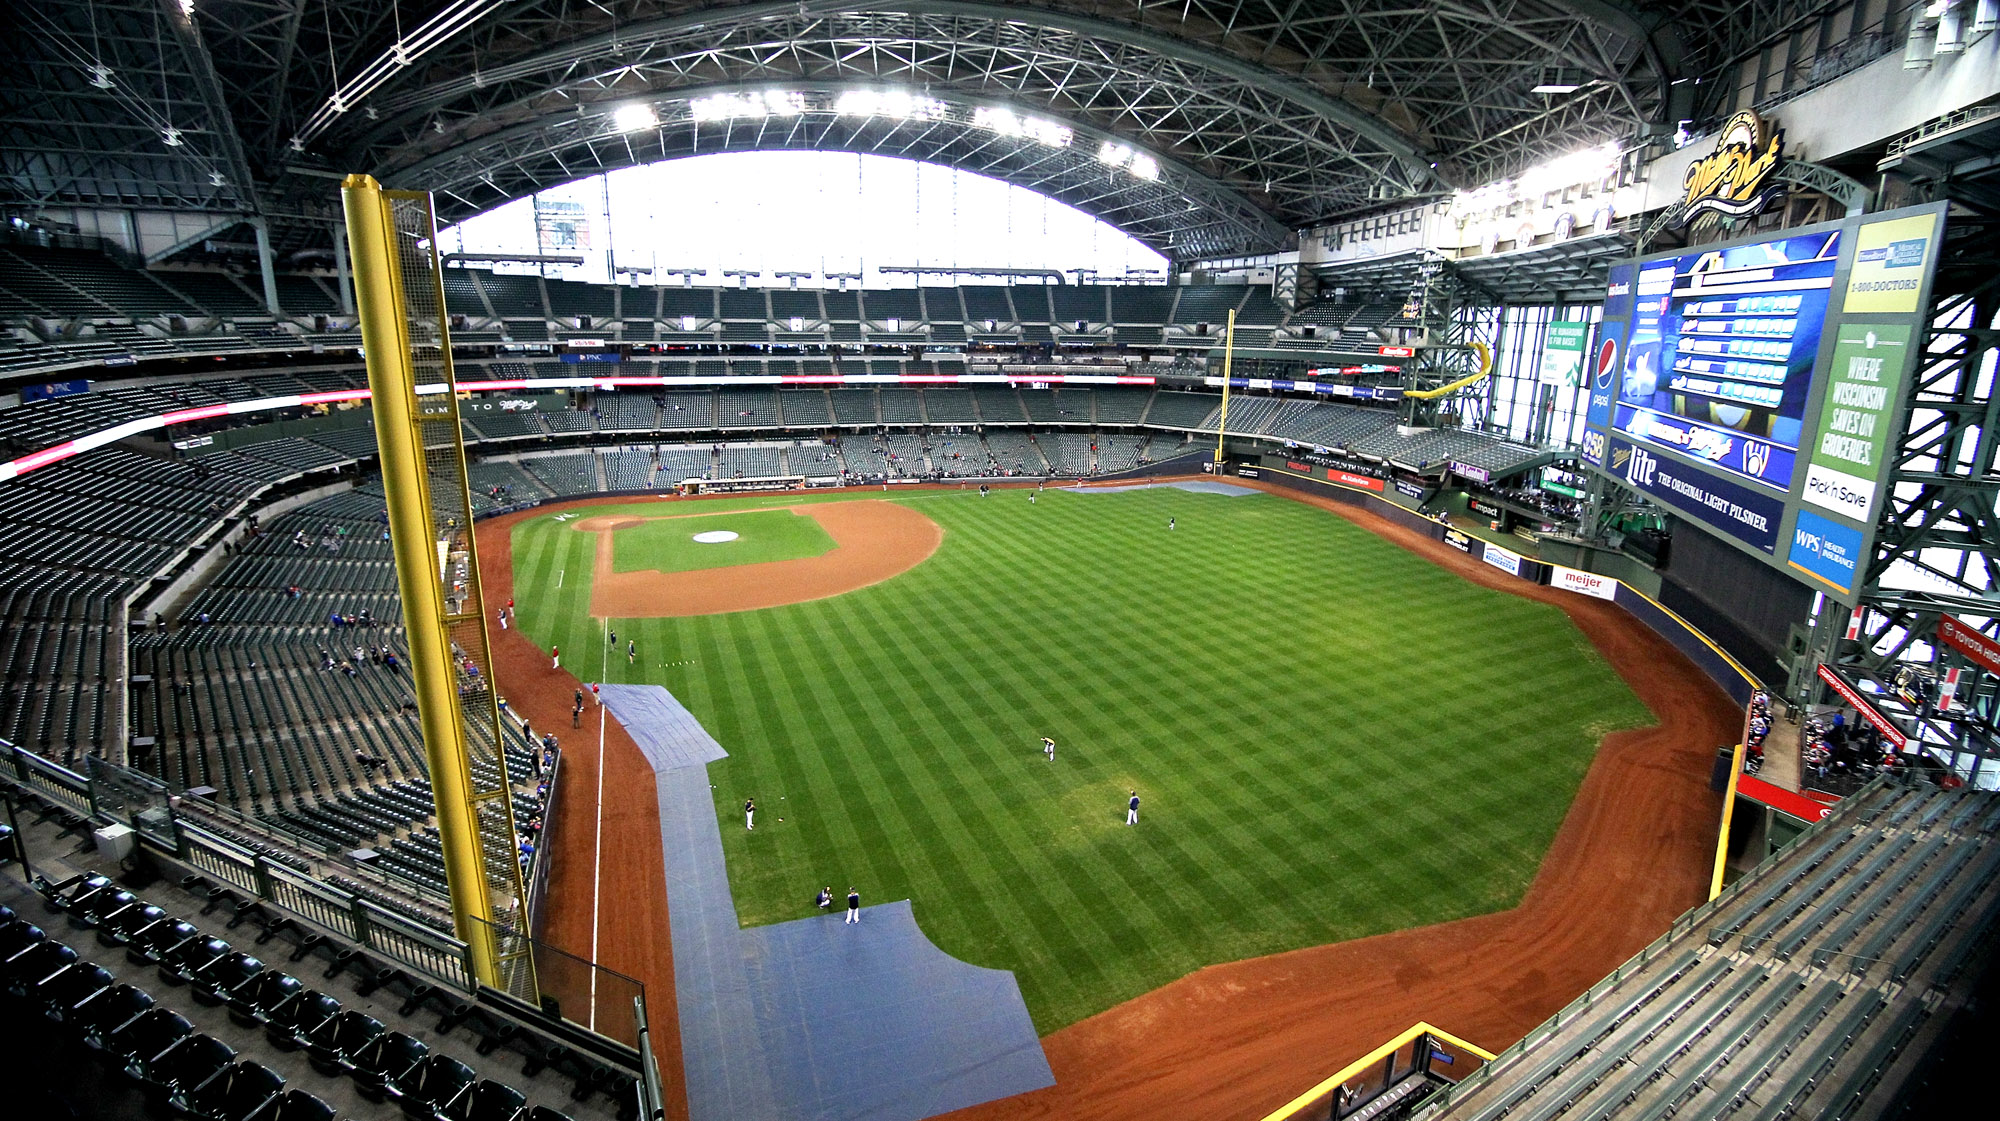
1755	386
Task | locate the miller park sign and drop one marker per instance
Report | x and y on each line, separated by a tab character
1735	180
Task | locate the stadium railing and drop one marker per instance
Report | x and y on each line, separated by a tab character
1408	1064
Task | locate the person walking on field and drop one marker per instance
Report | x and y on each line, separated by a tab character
555	657
1132	810
631	651
750	813
614	640
503	618
1049	748
1170	523
853	905
576	714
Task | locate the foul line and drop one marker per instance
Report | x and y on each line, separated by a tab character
597	845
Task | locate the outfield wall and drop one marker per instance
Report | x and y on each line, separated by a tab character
1710	658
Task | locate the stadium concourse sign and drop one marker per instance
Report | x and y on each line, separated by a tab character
1562	353
1969	641
1734	181
1866	708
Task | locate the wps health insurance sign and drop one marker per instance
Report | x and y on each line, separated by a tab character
1864	388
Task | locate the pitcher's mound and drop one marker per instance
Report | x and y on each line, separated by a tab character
715	536
873	541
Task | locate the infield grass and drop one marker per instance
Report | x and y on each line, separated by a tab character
667	544
1332	738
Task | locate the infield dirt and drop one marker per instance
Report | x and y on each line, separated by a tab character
1233	1041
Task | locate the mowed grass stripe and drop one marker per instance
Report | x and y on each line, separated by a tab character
1333	738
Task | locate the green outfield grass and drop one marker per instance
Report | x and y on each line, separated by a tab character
1332	737
668	545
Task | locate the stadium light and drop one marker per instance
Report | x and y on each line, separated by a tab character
1591	165
1007	123
1139	164
634	118
726	106
899	104
1558	79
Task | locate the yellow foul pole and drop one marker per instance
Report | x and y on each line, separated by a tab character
1228	362
379	298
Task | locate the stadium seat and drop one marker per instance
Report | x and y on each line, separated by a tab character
211	983
99	906
297	1105
17	936
59	996
154	943
31	966
290	1024
251	1002
120	929
231	1094
333	1044
379	1066
145	1036
434	1081
484	1100
187	1062
100	1016
183	961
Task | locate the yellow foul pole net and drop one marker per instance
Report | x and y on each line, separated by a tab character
399	296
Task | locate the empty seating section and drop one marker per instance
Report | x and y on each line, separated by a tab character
746	408
1248	414
999	406
1068	453
633	470
679	463
687	410
513	297
1173	409
568	299
201	1013
738	461
882	305
564	475
853	407
900	406
1207	305
1015	454
1117	451
983	303
949	406
1788	996
804	408
626	412
957	456
799	303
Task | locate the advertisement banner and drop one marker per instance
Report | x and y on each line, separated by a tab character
1890	733
1408	489
1826	551
560	225
1481	507
1349	478
1969	641
1891	260
1458	540
1757	460
1582	583
1865	384
1505	561
1562	353
1344	463
1301	468
1468	471
591	356
1736	511
50	390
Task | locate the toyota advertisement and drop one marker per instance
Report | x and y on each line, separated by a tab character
1755	387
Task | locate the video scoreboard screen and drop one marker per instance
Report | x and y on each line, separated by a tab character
1755	386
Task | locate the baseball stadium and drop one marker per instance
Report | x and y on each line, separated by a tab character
1226	560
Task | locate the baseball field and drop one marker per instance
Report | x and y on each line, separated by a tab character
1331	737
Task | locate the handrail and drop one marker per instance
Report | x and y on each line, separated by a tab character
1326	1086
1485	367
